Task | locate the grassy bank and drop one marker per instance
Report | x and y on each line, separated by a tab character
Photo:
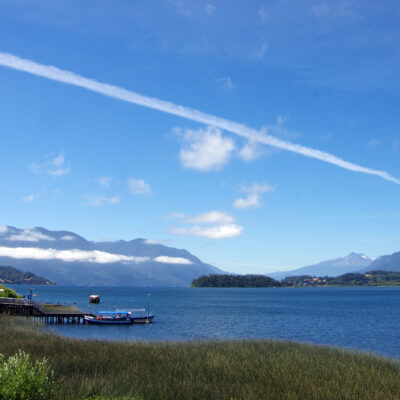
60	309
202	370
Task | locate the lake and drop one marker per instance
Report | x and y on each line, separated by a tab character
363	318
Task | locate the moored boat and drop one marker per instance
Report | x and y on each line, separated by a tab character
120	317
139	316
110	318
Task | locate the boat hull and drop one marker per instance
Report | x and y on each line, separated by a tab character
143	320
95	321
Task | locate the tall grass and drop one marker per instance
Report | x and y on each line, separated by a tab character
256	369
60	309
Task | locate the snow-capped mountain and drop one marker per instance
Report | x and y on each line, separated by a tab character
353	262
69	259
385	263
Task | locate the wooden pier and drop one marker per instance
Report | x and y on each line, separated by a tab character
29	308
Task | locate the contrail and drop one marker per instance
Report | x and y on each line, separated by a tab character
53	73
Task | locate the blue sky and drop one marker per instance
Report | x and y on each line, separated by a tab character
321	74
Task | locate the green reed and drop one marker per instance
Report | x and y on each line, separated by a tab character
240	369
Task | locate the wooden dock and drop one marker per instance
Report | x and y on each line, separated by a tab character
29	308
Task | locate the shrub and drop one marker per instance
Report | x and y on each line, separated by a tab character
21	379
8	292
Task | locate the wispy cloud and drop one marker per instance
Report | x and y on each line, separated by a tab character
395	145
263	14
172	260
105	181
211	217
205	149
336	9
74	255
209	232
55	166
253	198
93	200
30	198
53	73
262	49
138	186
374	142
28	235
225	82
251	151
67	238
209	225
210	8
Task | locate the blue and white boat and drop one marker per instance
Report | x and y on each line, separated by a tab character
109	318
120	317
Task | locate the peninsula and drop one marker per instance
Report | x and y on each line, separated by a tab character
13	276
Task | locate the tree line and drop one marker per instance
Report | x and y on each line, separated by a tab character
371	278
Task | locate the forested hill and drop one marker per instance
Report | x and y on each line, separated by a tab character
14	276
246	281
371	278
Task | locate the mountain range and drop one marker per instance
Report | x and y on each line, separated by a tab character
353	262
385	263
69	259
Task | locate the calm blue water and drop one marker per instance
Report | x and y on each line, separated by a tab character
363	318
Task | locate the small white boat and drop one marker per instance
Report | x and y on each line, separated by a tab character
139	316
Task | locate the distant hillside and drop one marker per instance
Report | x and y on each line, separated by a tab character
232	281
351	263
14	276
69	259
387	263
370	278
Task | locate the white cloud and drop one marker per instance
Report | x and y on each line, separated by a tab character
250	151
105	181
211	232
138	186
101	200
53	73
93	256
67	238
29	235
253	198
206	149
53	167
172	260
3	229
220	226
211	217
30	198
210	8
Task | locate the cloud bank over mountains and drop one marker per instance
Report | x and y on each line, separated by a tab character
71	255
69	259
